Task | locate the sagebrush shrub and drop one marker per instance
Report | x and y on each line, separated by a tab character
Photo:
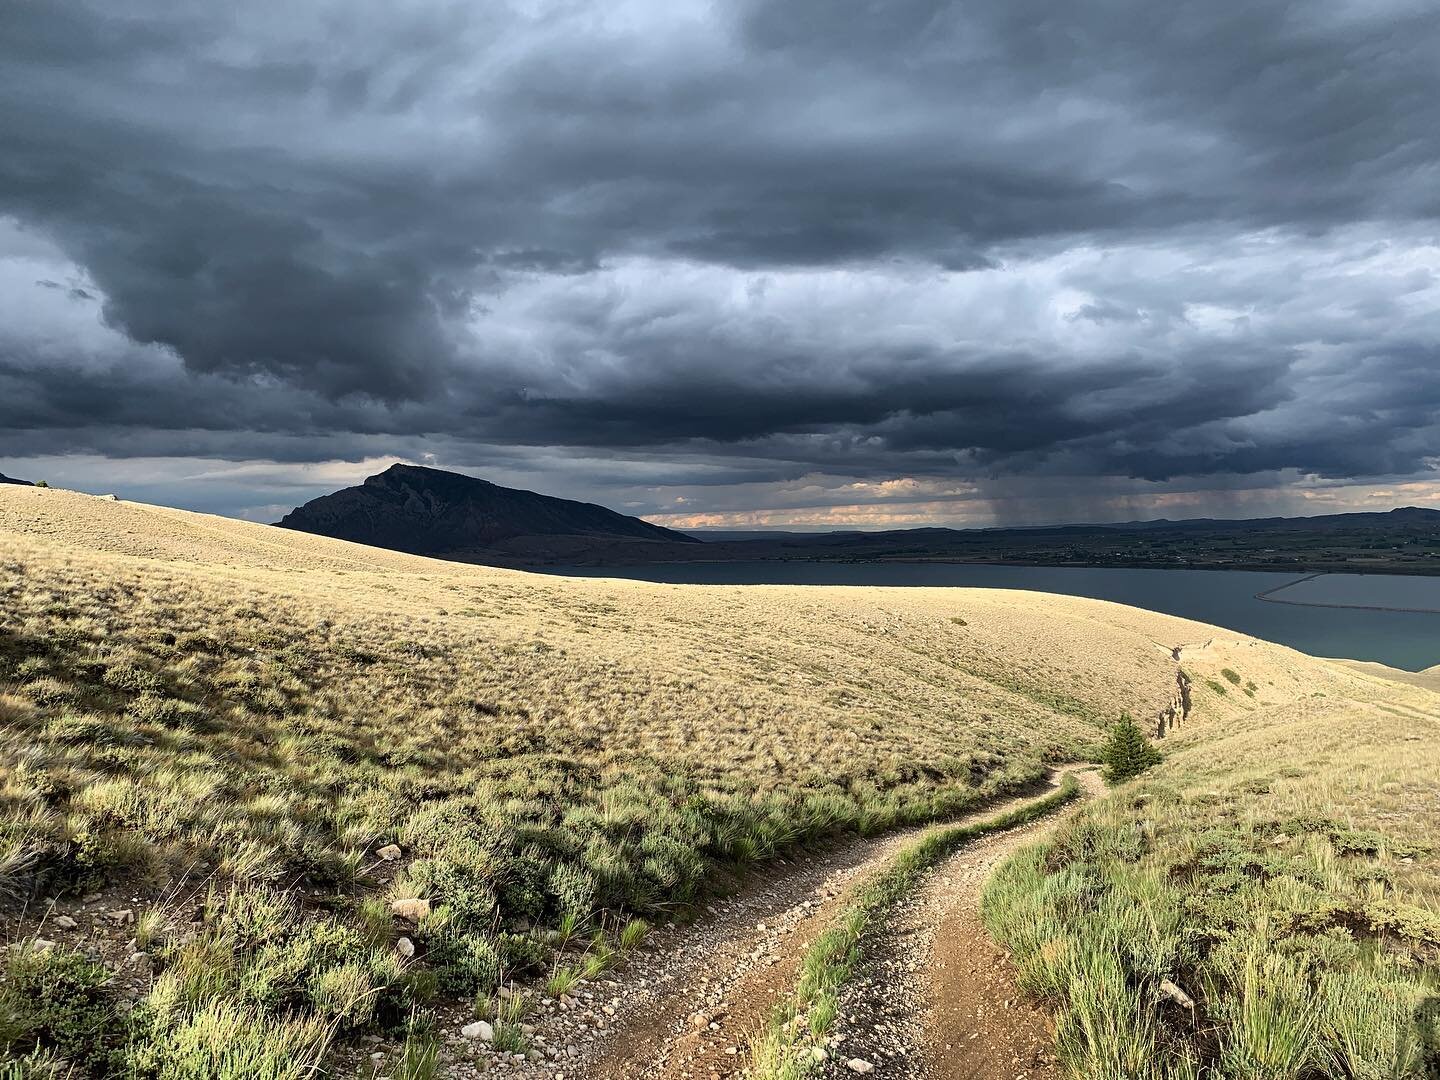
57	999
465	962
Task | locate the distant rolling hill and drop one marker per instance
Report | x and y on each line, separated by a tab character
1406	541
432	512
11	480
1400	517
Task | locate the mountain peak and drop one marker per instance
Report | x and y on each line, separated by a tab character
425	476
431	511
404	468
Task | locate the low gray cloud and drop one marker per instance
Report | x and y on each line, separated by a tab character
757	242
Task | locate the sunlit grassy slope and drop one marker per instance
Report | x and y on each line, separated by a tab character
231	720
1280	871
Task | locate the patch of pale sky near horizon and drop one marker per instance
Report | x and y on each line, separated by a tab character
812	502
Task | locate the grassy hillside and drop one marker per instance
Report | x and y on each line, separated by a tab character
210	731
1280	873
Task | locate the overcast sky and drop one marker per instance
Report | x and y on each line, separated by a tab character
788	263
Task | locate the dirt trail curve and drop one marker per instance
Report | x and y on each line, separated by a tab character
935	997
688	1005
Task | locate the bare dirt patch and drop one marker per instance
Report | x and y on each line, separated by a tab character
936	998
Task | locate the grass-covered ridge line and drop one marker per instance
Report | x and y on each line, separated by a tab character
784	1050
237	742
1265	906
219	770
223	726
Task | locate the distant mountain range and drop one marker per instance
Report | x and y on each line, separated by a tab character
1403	515
434	512
1406	540
11	480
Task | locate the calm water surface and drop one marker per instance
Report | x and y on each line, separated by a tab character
1403	639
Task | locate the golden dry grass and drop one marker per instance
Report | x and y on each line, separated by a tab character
1283	871
239	710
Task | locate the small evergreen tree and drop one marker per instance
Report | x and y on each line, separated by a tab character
1127	752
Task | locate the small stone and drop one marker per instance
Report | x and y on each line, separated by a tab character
1171	990
859	1065
389	853
121	916
64	922
405	947
479	1030
414	910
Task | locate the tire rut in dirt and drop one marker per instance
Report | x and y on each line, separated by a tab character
717	985
934	998
920	1007
713	987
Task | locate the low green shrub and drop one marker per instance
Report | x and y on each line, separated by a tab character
56	1000
465	962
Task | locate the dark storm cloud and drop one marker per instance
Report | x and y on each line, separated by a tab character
1343	91
747	231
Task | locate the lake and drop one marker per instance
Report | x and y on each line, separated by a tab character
1404	639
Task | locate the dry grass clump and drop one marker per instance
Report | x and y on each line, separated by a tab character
234	721
1282	876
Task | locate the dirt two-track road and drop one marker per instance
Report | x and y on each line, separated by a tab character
933	997
936	997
